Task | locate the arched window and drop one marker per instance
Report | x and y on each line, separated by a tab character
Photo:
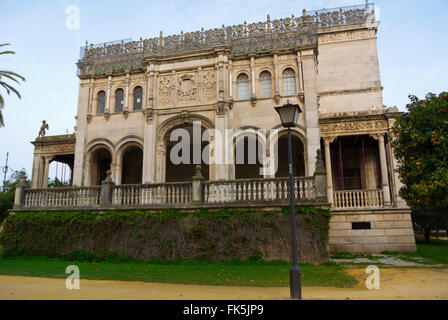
242	83
119	93
289	82
265	84
138	93
101	102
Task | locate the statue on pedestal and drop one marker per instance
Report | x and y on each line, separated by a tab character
43	127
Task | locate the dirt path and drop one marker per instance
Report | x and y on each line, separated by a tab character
395	284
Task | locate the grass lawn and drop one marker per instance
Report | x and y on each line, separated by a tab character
436	252
202	272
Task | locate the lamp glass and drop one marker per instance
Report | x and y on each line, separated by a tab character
289	114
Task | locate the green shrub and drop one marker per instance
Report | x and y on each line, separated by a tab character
167	234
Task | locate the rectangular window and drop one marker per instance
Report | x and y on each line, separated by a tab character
289	86
243	91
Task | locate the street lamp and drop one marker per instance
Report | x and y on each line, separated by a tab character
289	114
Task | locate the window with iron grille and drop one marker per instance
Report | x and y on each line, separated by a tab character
138	94
289	82
361	226
265	84
242	82
101	100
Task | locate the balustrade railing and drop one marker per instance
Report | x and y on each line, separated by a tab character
348	199
277	34
152	194
62	197
258	190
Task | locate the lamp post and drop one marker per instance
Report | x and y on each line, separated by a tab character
289	114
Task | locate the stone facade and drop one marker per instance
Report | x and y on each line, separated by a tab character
133	94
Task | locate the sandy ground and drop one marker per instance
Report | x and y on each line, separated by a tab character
400	283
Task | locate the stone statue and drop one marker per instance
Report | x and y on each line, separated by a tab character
43	127
320	168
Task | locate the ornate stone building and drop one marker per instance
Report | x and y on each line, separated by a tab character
134	94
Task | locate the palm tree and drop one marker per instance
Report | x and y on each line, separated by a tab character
9	75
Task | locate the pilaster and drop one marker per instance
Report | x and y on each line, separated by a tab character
311	107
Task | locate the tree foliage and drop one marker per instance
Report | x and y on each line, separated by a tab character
8	191
5	74
420	143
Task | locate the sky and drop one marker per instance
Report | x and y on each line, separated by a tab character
412	50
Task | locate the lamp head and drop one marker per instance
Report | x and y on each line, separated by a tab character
289	114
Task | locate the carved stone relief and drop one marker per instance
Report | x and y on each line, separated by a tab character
187	88
353	126
208	85
164	93
345	36
58	149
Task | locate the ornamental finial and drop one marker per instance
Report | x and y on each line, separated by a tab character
268	24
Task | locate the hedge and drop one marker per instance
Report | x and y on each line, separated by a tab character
168	234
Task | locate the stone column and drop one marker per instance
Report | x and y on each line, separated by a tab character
276	80
46	170
173	89
115	169
383	164
219	146
253	97
149	151
109	82
81	132
161	161
327	141
126	96
230	80
311	113
35	183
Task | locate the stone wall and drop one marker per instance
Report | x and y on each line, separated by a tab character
391	230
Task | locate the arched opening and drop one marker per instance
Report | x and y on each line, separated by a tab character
298	157
132	165
248	157
99	164
185	152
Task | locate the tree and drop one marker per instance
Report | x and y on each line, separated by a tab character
56	183
420	143
7	195
11	76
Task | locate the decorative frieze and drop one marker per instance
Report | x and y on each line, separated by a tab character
346	36
353	126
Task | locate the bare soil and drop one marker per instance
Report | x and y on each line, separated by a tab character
396	284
